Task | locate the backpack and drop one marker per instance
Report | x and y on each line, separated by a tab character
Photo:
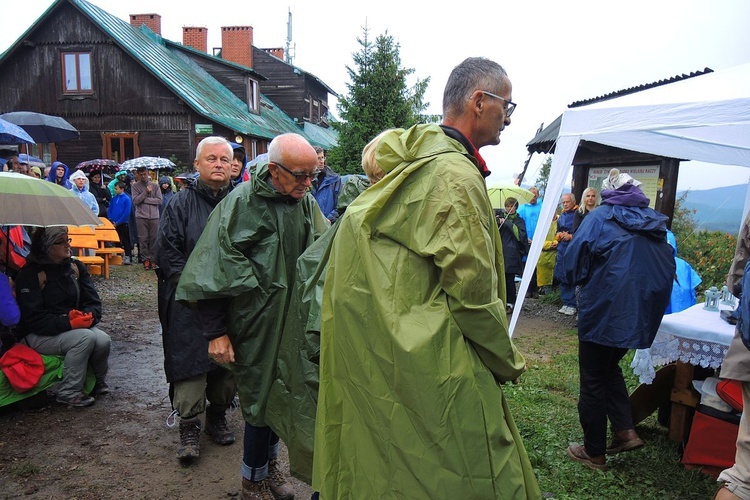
13	248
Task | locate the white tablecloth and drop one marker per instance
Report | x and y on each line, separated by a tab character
694	336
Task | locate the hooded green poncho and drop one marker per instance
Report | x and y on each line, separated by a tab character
414	340
248	252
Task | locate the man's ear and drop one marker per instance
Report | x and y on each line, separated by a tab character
477	101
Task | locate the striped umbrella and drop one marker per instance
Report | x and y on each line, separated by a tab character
28	201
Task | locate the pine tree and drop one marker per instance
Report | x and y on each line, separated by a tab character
543	177
378	98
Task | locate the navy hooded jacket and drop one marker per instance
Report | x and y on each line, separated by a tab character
621	257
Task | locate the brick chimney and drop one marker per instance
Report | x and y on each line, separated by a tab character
277	52
195	37
237	44
153	21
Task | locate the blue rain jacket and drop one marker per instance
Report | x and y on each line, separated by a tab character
621	258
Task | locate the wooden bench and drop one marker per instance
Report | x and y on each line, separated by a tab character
112	255
84	238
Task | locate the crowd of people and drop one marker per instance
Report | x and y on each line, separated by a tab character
356	319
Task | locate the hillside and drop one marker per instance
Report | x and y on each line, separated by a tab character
718	209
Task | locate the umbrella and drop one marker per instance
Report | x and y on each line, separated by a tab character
10	133
498	194
27	201
150	162
31	161
43	128
101	164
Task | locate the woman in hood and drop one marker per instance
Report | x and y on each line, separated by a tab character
239	162
165	184
81	189
59	174
101	193
119	177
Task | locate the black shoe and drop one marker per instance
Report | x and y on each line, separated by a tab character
217	428
190	434
99	389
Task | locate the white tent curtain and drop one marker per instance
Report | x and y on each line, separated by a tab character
705	118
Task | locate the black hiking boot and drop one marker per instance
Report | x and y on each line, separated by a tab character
190	433
216	425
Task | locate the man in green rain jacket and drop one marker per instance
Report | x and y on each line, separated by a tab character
414	340
241	274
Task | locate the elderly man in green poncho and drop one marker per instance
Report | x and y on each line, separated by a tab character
414	338
241	274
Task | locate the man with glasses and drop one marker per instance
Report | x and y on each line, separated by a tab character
414	340
241	273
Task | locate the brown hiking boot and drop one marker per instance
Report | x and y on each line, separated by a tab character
216	426
625	440
277	482
190	434
256	490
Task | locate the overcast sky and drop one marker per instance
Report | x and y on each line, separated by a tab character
555	52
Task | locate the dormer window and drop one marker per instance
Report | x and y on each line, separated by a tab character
253	96
76	73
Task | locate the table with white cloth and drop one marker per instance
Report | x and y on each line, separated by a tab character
693	337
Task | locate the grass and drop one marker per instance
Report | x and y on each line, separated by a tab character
544	406
23	469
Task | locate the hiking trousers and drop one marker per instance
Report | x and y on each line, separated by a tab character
81	347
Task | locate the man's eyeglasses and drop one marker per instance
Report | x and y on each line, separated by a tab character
63	242
299	177
510	106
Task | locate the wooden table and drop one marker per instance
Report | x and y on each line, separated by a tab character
693	337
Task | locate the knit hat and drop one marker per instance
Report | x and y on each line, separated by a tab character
22	366
615	179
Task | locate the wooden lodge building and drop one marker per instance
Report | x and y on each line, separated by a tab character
132	93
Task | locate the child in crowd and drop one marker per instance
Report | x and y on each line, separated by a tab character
119	214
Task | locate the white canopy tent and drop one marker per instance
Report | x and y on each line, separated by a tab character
705	118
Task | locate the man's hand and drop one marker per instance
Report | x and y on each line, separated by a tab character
220	350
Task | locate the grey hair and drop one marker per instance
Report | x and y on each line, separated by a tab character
214	139
474	73
572	197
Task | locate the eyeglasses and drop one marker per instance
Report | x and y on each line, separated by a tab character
299	177
63	242
510	106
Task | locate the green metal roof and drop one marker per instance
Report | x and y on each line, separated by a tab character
202	92
191	83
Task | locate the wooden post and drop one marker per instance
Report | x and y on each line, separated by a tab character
684	400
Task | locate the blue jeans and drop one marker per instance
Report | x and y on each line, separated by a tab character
261	444
568	294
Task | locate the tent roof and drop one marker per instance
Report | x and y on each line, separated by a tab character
544	140
705	118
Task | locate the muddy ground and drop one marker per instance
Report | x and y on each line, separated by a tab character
121	446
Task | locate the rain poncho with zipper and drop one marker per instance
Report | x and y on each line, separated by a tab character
414	340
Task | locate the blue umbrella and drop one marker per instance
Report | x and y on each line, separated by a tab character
13	134
43	128
31	161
